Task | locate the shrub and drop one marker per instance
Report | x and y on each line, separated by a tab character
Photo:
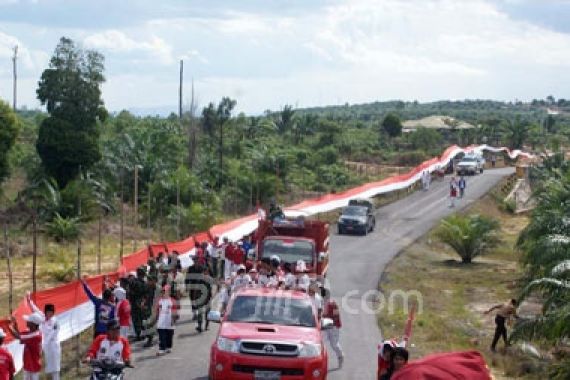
469	236
63	229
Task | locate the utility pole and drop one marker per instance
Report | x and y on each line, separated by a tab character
192	132
177	209
122	213
180	91
14	70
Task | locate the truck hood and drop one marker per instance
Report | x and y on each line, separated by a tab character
273	333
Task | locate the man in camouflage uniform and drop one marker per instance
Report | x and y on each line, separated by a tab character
136	293
151	294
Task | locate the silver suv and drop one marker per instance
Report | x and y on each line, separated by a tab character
470	165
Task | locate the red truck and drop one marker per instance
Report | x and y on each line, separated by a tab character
296	239
269	334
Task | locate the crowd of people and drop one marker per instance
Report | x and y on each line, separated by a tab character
146	303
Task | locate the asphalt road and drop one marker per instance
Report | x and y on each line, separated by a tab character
357	262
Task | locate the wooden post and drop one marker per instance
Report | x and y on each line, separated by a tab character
180	90
136	208
99	228
122	212
34	251
148	216
177	209
15	74
9	268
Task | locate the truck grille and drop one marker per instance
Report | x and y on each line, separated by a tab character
269	348
252	369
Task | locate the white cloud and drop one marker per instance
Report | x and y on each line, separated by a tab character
117	41
194	55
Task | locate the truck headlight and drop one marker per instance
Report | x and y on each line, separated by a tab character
310	350
228	345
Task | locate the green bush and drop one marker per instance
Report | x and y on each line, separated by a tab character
469	236
63	229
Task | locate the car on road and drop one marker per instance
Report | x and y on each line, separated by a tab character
269	334
356	218
470	165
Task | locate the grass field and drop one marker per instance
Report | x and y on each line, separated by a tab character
456	295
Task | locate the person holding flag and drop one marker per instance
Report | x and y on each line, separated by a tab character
50	338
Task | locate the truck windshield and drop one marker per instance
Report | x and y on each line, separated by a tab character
354	211
272	310
289	251
469	159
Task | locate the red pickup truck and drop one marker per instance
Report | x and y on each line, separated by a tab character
296	239
269	334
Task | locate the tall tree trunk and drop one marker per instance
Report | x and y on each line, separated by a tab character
34	251
192	131
136	209
148	225
9	268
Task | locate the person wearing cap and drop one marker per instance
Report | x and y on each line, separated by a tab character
165	315
242	279
110	346
32	341
289	279
7	368
123	311
104	308
303	279
332	311
50	338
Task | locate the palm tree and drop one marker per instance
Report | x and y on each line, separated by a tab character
545	244
469	236
516	133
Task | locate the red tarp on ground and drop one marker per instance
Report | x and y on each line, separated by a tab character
468	365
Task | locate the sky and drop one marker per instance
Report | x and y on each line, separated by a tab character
270	53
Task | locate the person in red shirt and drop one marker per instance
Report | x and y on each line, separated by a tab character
239	254
7	368
385	351
32	341
110	346
332	311
123	311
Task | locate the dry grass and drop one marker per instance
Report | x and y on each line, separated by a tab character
455	295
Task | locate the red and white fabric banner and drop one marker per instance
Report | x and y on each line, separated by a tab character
76	313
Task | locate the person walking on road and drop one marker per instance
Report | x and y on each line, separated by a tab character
136	295
152	292
462	185
7	367
332	311
504	313
123	311
452	192
165	314
203	303
50	338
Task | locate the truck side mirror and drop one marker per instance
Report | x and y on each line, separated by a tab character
322	256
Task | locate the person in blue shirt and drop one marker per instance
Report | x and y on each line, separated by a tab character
104	308
462	185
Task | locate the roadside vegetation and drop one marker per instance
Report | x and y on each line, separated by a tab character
75	175
456	293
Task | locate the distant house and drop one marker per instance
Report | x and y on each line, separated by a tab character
438	122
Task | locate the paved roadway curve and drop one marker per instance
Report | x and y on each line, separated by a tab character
357	263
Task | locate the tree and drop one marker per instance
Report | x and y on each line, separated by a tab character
516	133
392	125
8	134
286	120
549	123
70	89
426	139
469	236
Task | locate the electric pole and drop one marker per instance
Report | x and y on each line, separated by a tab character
14	70
180	91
